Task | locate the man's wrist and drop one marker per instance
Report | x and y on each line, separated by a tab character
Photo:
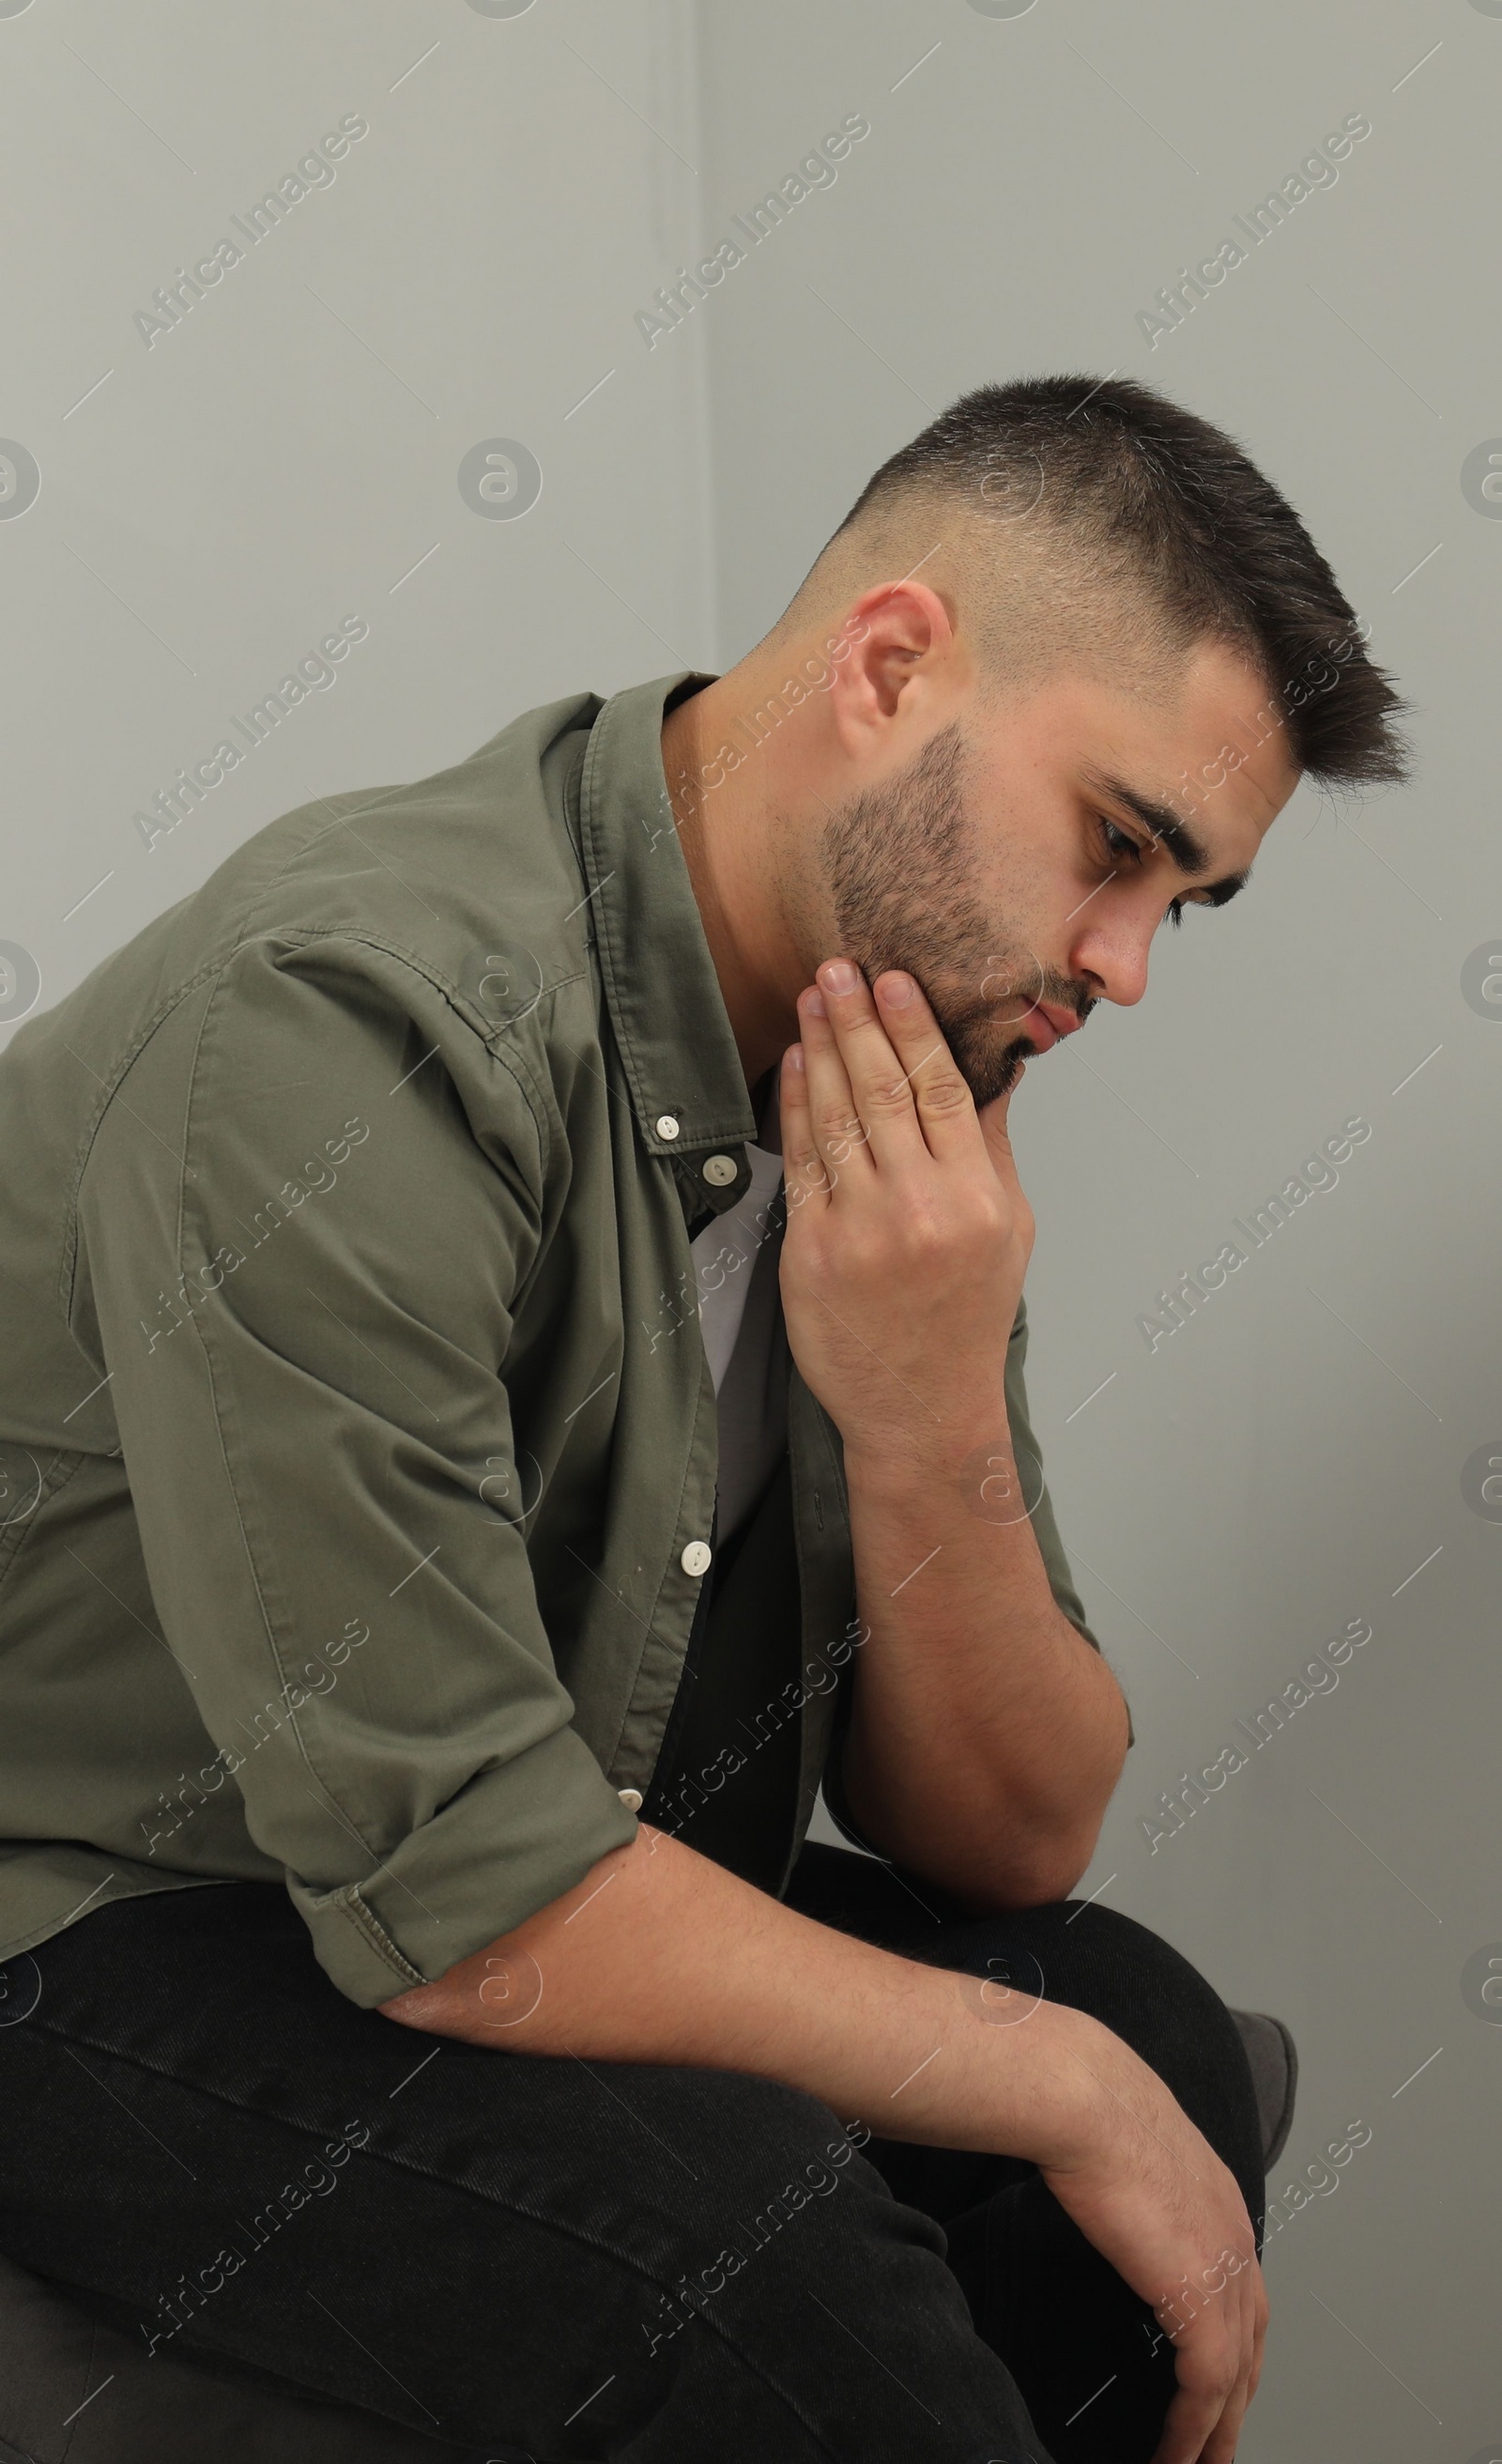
1058	2109
969	1454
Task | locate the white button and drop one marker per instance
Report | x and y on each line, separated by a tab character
719	1171
668	1125
630	1798
695	1560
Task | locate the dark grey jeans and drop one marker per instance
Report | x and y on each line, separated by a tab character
540	2257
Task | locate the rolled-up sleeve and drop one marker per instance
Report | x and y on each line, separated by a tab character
1030	1465
305	1221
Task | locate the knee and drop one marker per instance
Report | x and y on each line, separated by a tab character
1139	1984
1095	1959
1149	1995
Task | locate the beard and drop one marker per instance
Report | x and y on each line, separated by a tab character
902	865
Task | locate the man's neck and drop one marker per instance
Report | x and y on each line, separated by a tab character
724	832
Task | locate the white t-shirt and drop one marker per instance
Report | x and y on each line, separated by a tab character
740	1318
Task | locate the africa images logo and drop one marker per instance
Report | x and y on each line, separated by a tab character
172	303
819	169
1319	169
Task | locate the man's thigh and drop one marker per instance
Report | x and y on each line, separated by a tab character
522	2254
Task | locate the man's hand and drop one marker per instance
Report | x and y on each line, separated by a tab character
908	1235
986	1735
1150	2192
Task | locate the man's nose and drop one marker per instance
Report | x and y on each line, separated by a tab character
1116	964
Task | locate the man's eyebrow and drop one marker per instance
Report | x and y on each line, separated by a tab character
1188	853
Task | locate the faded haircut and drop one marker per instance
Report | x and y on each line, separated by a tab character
1095	519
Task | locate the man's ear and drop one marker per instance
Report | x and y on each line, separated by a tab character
901	635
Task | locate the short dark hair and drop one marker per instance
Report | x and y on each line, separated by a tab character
1167	503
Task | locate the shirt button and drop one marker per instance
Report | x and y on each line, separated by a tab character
695	1560
668	1125
719	1171
630	1798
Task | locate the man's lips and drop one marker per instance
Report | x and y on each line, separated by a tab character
1046	1023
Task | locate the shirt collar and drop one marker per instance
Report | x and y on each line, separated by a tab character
666	1007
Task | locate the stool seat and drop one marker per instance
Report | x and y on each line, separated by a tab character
1273	2057
76	2386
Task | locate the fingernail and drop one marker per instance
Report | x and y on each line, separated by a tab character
812	1003
839	975
897	991
794	1056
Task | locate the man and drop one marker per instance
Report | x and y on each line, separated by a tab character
379	1225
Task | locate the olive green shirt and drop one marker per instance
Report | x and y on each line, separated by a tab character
357	1447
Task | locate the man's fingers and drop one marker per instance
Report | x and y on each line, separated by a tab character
941	1100
1221	2446
883	1086
1203	2420
871	1078
901	1071
840	1124
1258	2339
1190	2419
1191	2424
804	1173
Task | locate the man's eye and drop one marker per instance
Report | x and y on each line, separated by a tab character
1120	844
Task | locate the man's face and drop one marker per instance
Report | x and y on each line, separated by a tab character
1008	870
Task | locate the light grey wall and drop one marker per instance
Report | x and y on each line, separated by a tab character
1285	1461
216	497
211	506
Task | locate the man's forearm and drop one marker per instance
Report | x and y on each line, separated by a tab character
985	1734
661	1956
